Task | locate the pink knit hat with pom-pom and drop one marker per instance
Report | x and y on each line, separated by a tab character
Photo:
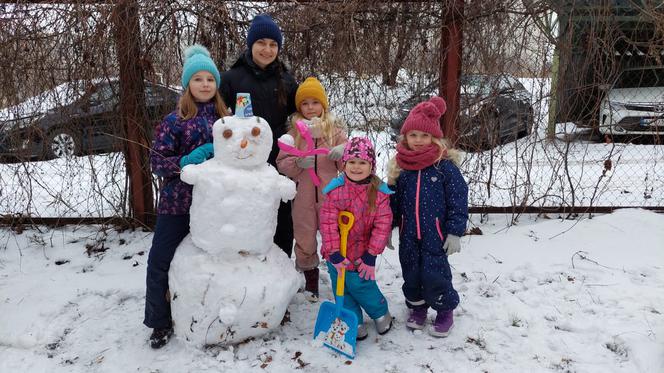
362	148
425	117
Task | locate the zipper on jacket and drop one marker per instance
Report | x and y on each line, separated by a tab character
440	232
417	205
316	167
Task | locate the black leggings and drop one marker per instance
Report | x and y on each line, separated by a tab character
283	236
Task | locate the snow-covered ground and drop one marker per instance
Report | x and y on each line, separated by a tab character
545	295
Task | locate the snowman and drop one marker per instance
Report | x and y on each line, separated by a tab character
228	280
237	193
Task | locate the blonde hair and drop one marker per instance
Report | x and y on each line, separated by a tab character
446	152
187	108
329	126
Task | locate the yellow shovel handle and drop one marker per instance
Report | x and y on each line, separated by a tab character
344	228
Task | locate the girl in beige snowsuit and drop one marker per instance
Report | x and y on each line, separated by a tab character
327	132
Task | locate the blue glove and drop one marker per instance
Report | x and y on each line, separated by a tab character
198	155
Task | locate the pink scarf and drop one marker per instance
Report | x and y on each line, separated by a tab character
413	160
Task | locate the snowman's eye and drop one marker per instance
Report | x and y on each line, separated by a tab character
255	131
228	134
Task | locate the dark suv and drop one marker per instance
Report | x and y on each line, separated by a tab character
494	109
74	120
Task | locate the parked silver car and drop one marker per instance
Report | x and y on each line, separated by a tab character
74	118
634	104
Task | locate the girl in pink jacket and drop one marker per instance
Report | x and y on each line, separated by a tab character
361	192
328	132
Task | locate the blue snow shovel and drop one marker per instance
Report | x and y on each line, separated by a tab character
338	325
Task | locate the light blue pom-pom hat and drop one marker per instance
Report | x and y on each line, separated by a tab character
197	58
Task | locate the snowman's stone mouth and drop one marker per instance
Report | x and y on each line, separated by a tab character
249	156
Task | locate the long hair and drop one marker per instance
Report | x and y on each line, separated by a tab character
447	151
372	193
282	96
330	125
187	108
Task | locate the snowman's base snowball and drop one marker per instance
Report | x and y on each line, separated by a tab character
228	299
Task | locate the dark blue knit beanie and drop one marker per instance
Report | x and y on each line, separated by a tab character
263	27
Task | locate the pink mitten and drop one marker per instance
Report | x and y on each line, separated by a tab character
366	271
366	266
338	261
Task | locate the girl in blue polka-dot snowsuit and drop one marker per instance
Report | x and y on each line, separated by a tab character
430	207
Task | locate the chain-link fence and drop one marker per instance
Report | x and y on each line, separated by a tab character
561	102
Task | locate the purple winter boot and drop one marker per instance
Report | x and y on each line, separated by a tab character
417	317
443	324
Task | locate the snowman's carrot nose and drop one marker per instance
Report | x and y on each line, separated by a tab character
243	143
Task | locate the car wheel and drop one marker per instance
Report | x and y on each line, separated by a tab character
63	143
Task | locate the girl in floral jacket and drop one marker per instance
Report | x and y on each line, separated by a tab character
359	191
183	137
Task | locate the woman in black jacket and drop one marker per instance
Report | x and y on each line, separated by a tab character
259	72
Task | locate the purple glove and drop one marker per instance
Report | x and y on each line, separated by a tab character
338	261
366	266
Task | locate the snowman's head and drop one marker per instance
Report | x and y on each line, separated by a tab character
242	142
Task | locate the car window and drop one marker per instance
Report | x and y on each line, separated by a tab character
476	85
511	83
640	78
489	84
103	94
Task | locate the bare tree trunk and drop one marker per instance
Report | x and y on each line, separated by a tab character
403	41
386	48
450	64
132	109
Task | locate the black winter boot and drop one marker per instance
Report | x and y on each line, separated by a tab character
311	284
160	336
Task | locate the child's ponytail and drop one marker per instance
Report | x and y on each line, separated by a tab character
372	193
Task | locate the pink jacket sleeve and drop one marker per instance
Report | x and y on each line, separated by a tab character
382	225
329	228
287	166
286	163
